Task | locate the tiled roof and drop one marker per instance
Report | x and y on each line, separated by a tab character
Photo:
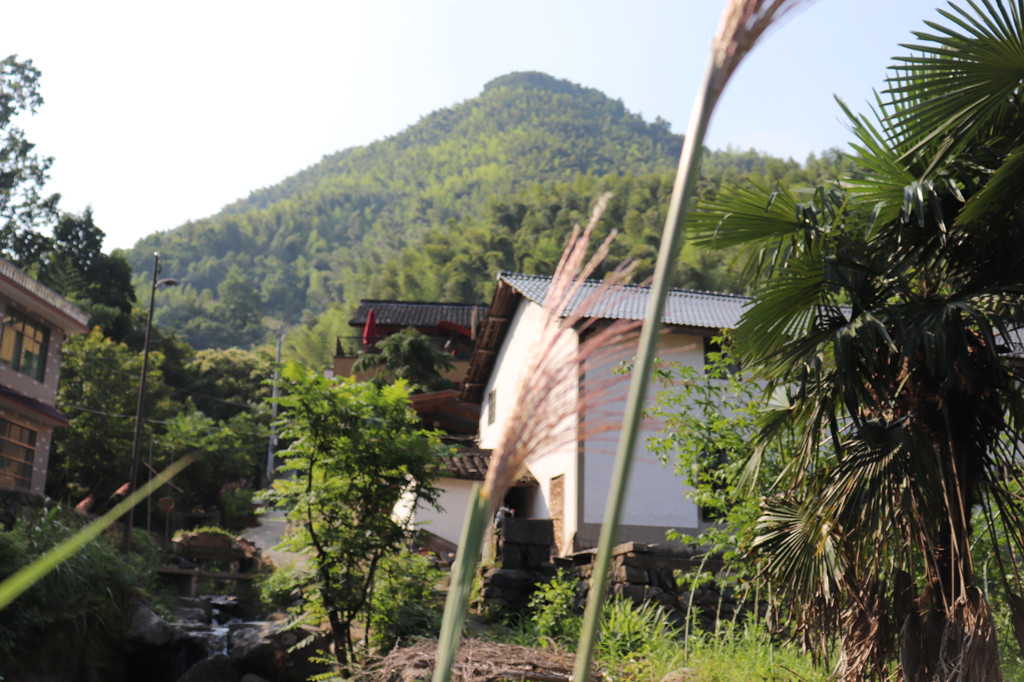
417	313
683	307
471	465
697	310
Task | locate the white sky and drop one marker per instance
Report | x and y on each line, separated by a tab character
160	112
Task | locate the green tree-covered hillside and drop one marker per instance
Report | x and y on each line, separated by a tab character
435	211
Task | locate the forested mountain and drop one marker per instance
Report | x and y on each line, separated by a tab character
436	210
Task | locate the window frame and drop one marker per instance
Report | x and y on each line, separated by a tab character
12	350
12	468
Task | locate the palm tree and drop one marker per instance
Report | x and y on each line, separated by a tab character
886	308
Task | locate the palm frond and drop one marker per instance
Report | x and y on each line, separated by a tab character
962	79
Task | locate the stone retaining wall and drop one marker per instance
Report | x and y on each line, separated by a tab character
522	553
648	573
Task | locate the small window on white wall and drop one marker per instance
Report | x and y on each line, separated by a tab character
491	406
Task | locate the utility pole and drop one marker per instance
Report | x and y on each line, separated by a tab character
126	542
272	445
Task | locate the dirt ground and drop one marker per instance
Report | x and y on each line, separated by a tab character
479	660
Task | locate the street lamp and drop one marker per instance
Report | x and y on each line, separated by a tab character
126	543
272	445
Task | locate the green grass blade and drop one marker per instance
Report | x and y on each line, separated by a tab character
478	516
682	193
19	582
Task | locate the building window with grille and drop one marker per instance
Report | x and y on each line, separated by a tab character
23	344
17	450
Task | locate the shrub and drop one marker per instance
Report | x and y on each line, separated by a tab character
69	625
552	618
637	641
406	601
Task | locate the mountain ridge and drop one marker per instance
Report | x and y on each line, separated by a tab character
431	212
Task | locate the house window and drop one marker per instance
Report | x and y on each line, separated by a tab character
17	449
23	344
492	406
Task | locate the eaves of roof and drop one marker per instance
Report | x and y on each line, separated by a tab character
422	314
470	464
683	308
31	408
41	300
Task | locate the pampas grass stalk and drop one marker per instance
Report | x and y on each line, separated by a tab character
743	23
545	417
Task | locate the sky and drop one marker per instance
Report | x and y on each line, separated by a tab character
161	112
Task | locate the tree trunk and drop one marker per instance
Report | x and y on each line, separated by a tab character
341	636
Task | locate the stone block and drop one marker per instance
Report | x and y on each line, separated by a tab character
512	557
632	575
535	556
506	577
528	531
214	669
635	593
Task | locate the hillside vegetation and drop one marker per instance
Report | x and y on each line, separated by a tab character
433	212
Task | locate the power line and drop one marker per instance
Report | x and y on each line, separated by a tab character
162	422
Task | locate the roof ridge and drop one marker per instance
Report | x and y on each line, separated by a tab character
364	301
630	285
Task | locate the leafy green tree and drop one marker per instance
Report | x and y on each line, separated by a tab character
225	383
356	452
313	343
240	309
408	356
98	391
73	264
71	261
884	315
23	207
229	457
709	419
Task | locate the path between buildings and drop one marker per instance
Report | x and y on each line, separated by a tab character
268	534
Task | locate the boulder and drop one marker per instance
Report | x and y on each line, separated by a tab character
214	669
147	628
267	649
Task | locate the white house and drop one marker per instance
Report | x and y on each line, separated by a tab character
573	479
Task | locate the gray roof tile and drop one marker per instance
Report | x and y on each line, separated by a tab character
417	313
683	307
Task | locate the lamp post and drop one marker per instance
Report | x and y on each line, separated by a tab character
126	543
272	445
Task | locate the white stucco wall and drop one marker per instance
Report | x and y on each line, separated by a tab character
655	496
559	457
446	524
655	500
